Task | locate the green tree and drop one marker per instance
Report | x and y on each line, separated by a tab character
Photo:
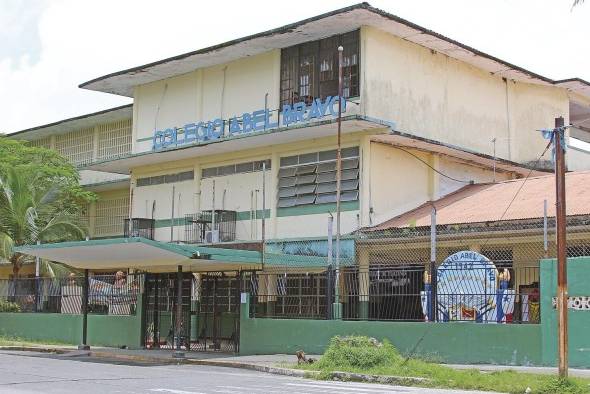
49	167
40	200
31	211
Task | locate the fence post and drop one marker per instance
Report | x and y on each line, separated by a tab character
363	285
178	331
329	291
84	345
433	271
37	279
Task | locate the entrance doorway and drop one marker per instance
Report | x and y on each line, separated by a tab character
210	315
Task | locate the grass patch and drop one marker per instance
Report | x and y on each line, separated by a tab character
16	341
365	355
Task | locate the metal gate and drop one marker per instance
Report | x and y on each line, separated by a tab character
210	315
161	314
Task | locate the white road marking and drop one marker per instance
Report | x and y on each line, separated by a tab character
340	387
173	391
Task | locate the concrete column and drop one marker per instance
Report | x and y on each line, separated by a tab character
363	284
92	219
365	181
271	195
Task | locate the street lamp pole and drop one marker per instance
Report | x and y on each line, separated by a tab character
337	309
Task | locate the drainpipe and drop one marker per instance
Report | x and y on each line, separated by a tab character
172	224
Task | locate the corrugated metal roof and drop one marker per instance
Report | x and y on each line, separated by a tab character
482	203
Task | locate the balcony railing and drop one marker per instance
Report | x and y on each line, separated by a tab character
206	227
139	227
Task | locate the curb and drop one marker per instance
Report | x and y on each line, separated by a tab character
336	375
55	350
360	377
212	363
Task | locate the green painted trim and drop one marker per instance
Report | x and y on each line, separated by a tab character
73	244
315	209
305	239
144	139
240	215
245	215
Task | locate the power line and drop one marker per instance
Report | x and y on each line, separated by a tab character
533	167
432	168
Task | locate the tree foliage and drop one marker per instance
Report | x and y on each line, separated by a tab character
48	167
40	199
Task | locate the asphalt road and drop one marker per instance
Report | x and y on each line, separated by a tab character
34	373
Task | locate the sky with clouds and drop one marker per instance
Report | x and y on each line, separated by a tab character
49	47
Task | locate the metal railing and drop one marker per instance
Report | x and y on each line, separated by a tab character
206	227
139	227
401	293
107	294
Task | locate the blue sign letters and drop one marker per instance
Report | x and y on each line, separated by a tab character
250	122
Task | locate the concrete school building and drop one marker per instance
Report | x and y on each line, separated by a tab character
219	140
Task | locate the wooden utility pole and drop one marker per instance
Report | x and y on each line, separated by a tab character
560	216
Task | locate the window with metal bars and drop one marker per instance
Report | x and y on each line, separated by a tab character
77	146
168	178
110	214
240	168
114	139
310	178
310	70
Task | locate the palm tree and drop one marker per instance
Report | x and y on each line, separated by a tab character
31	210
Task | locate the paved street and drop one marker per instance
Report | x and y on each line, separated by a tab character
28	372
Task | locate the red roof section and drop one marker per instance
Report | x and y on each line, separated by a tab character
488	202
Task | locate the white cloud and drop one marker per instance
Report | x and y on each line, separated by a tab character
81	40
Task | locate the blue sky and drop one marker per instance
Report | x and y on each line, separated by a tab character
48	47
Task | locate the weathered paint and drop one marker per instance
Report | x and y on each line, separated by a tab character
432	95
103	330
578	277
469	343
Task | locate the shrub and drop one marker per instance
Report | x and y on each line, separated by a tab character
560	386
358	352
7	306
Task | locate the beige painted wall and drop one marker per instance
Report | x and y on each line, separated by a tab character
238	190
400	182
215	92
434	96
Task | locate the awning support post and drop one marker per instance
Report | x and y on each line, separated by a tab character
178	353
84	345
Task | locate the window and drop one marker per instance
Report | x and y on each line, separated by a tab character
310	178
168	178
241	168
310	70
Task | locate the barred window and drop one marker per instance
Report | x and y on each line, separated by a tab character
240	168
310	178
110	214
168	178
310	70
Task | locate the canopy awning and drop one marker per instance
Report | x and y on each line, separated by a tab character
146	254
142	253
